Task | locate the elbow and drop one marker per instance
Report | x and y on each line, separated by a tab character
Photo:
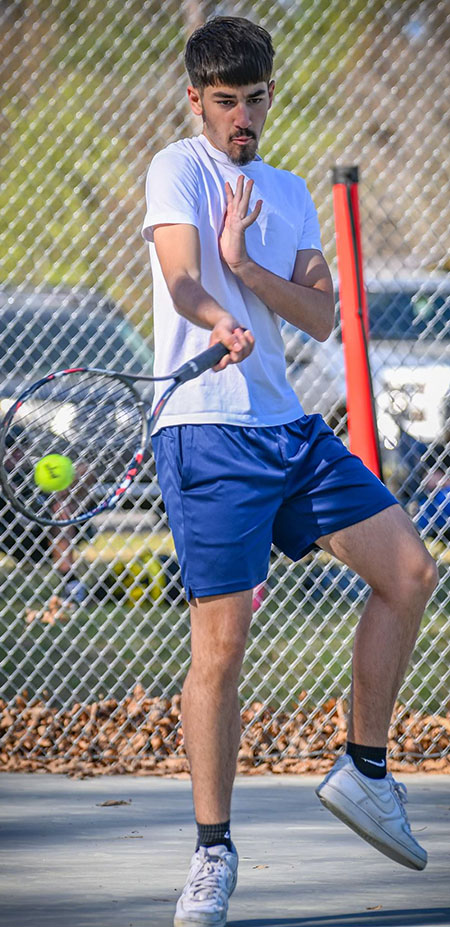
324	333
326	323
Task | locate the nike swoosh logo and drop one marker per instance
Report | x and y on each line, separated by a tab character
385	803
374	762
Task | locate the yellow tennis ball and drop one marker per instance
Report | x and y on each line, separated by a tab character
54	472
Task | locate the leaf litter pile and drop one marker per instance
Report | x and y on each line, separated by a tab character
55	611
143	735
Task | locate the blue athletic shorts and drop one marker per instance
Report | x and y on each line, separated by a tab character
231	491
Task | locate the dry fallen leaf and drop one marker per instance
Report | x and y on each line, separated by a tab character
142	735
54	611
30	615
111	802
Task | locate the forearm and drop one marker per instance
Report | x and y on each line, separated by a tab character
306	307
193	302
178	251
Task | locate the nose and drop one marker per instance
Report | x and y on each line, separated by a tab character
242	117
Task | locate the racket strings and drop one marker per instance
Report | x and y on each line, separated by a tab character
94	420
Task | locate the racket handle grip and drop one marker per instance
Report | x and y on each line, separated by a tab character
201	362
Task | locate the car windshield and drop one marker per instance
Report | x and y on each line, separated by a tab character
403	315
40	344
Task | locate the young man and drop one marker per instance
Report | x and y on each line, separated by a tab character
235	247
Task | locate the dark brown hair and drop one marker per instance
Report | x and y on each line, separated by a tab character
229	50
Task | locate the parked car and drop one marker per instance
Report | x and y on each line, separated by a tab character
41	331
409	351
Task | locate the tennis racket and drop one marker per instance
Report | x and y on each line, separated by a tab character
98	420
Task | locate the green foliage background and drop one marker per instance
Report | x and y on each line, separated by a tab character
91	89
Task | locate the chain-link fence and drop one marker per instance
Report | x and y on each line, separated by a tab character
91	89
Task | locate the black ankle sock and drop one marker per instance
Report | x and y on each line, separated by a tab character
371	761
212	835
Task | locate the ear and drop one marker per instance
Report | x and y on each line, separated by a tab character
271	89
195	101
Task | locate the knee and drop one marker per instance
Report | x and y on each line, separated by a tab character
424	572
220	666
417	580
432	575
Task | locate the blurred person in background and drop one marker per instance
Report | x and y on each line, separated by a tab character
32	544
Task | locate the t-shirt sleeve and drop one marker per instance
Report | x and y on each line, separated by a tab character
171	192
309	230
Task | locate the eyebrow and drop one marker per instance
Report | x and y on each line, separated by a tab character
220	95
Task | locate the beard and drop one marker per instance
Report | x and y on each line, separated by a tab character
238	154
242	154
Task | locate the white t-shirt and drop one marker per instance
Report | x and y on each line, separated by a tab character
186	184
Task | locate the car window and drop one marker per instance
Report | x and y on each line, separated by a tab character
30	344
405	315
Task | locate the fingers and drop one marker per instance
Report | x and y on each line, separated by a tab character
237	198
229	193
253	215
240	199
240	343
245	195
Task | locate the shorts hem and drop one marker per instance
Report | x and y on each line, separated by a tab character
346	523
223	588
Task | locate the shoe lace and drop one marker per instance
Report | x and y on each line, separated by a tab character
401	794
207	878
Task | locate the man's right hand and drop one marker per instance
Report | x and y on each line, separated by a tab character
239	341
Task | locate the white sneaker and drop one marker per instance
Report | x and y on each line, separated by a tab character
211	881
375	809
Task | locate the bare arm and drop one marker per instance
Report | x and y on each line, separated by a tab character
306	300
178	250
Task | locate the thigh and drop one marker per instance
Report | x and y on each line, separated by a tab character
328	488
382	549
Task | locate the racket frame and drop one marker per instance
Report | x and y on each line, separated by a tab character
188	371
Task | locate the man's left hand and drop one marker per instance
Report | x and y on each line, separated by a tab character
232	240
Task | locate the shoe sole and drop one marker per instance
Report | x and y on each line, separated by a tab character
198	922
182	922
344	809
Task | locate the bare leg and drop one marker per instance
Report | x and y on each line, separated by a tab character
210	707
62	539
387	552
62	548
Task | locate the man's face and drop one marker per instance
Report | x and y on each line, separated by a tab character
233	117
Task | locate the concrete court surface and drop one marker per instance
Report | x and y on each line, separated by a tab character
67	860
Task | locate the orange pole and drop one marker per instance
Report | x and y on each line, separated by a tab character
362	424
